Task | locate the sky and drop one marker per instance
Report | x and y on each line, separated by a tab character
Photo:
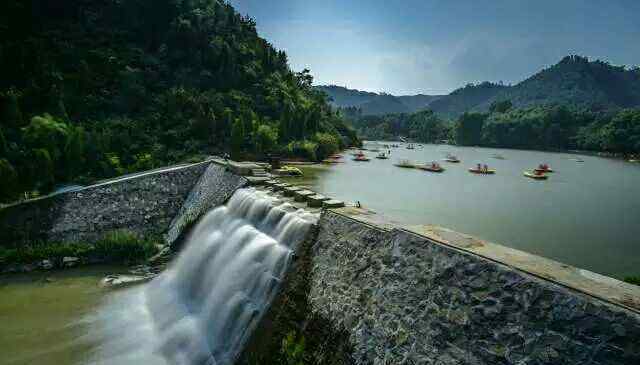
407	47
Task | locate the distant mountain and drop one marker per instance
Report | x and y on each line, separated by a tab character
466	98
575	80
376	104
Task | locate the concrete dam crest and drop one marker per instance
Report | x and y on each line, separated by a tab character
396	294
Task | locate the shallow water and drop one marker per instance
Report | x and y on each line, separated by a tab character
41	315
586	214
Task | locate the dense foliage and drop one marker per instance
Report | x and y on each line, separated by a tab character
574	81
422	126
116	247
551	127
94	89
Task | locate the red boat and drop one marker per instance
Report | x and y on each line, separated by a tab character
543	168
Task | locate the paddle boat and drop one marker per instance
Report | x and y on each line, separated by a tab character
452	158
543	168
482	170
498	157
406	164
360	157
411	147
382	156
432	167
536	175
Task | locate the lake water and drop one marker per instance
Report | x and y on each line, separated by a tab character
586	214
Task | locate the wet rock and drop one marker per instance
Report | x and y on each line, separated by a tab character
68	261
118	281
45	265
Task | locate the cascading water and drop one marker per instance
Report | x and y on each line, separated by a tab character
203	308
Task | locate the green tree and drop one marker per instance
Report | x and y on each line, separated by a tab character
10	113
8	181
237	139
266	139
469	129
502	106
328	144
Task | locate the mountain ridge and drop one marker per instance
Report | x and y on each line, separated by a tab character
574	80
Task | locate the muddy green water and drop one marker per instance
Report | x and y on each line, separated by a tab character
586	215
41	315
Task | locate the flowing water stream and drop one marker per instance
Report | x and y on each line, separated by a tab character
201	310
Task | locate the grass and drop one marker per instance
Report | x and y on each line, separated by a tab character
119	246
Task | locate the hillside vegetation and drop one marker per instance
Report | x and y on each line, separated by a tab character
575	81
366	103
95	89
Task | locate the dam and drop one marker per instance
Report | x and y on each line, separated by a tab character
252	266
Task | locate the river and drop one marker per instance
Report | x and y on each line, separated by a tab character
586	214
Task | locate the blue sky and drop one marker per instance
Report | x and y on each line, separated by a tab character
435	46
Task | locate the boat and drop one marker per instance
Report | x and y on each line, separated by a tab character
406	164
411	147
335	157
536	175
382	156
452	158
433	167
362	159
498	157
544	168
577	159
475	170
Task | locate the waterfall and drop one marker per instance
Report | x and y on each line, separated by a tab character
202	309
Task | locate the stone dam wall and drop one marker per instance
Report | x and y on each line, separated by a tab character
365	290
404	298
150	204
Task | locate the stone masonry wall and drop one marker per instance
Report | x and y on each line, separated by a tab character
215	186
407	300
144	204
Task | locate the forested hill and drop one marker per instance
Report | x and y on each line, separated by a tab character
376	104
574	81
579	82
96	88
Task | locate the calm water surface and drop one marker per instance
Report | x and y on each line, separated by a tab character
586	214
43	315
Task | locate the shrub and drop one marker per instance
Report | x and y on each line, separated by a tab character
328	144
303	149
124	246
635	280
118	246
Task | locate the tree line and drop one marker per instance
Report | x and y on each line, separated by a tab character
545	127
95	89
554	127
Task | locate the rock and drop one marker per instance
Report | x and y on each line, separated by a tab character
46	265
332	204
315	201
282	186
291	190
302	195
70	261
118	281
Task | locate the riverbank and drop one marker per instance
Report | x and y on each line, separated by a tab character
116	247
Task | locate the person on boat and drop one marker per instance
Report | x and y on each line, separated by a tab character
479	168
485	168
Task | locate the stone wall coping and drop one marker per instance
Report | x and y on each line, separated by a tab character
602	287
161	170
